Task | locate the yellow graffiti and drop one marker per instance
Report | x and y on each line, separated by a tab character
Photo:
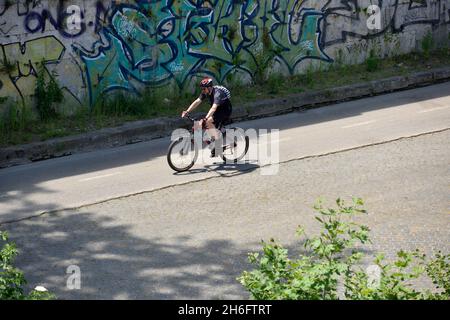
18	65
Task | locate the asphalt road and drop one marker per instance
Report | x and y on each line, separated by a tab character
83	179
189	237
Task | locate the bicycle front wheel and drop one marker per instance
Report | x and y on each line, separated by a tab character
182	154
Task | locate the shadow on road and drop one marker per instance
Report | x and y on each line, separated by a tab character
118	261
223	169
145	151
15	202
232	169
115	263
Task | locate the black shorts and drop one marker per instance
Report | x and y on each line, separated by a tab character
222	115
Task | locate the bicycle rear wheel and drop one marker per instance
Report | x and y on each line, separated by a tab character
236	144
182	154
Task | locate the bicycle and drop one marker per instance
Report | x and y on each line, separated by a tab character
185	150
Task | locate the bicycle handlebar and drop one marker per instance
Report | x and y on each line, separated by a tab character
188	115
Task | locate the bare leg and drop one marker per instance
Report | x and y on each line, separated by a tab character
212	131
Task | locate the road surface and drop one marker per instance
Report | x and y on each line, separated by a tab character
94	177
189	237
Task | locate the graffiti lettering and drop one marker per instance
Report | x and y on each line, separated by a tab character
191	39
18	82
106	46
67	21
396	16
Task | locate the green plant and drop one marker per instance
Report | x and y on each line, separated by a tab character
264	59
427	44
332	259
396	278
339	58
151	102
15	117
438	271
309	77
232	32
47	93
314	275
260	66
170	100
217	66
372	62
7	67
274	83
237	61
12	279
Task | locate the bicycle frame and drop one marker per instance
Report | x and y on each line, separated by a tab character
204	128
197	143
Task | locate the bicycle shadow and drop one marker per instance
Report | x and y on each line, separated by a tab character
190	172
223	169
233	169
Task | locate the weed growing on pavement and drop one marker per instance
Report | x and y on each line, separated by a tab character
332	260
12	279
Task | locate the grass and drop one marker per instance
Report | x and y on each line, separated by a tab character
339	75
18	126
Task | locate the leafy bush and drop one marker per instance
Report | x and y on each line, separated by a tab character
427	45
372	62
47	93
14	118
264	59
274	82
396	278
332	261
151	102
12	279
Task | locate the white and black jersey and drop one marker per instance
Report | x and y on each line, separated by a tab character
220	96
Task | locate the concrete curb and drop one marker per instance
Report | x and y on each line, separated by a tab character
139	131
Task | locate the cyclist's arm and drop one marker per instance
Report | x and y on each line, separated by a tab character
212	111
194	105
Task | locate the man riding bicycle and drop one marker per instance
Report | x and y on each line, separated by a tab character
220	111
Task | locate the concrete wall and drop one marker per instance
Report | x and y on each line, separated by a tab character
98	47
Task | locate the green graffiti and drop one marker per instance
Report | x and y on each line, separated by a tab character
134	53
153	43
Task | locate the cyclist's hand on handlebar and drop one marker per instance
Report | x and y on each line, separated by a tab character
183	115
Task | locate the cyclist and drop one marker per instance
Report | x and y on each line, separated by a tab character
220	111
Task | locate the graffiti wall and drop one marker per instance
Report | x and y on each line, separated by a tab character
93	48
